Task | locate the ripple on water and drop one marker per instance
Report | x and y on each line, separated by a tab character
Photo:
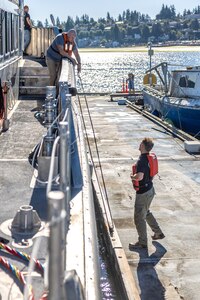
104	71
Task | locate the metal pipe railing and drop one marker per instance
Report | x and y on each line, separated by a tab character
59	201
65	167
56	271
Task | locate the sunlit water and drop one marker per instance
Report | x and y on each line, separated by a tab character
104	71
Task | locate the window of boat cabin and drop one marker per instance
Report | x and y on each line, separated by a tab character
12	33
187	81
15	32
8	34
1	32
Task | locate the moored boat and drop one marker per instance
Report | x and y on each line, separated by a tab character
174	95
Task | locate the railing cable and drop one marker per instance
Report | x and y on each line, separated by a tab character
111	226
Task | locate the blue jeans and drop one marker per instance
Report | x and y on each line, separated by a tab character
27	38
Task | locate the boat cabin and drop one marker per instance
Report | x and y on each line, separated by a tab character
185	83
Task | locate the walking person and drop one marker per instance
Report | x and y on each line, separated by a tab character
27	28
63	45
145	169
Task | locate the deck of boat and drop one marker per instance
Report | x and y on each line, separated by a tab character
169	269
18	187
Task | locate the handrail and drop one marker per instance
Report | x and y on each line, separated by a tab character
62	146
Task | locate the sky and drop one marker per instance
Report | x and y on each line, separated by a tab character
41	9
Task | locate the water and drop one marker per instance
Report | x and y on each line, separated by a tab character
104	71
109	286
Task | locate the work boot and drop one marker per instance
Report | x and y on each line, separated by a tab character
137	246
158	236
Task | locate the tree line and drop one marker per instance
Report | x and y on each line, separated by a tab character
132	27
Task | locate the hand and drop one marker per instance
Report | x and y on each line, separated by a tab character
73	61
79	68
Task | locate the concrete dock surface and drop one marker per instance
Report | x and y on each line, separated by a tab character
170	268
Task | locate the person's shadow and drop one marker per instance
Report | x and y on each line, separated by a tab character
150	285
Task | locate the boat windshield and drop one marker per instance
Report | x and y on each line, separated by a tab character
187	81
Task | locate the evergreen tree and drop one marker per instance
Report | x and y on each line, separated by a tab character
58	22
108	18
39	24
77	21
115	33
197	10
145	32
156	30
128	15
166	13
120	18
69	24
46	23
194	24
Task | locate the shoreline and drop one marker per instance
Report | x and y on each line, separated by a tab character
143	49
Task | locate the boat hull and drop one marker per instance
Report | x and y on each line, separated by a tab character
186	118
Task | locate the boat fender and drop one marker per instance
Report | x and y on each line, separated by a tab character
153	167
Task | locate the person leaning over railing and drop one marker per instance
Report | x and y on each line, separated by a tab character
63	45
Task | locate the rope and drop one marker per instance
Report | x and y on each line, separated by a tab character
111	226
23	256
197	133
52	163
15	271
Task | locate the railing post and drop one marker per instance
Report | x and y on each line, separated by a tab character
56	260
65	167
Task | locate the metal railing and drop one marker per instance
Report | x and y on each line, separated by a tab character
56	150
63	165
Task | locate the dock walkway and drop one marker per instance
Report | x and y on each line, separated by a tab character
169	269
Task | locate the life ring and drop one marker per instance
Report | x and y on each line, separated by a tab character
146	79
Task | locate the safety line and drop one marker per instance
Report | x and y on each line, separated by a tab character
111	226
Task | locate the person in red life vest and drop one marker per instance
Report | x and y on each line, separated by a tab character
63	45
142	178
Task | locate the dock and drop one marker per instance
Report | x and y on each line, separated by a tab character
135	96
169	269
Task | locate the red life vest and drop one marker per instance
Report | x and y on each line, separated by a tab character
135	182
68	46
153	164
153	167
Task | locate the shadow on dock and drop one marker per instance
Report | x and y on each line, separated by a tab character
149	283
